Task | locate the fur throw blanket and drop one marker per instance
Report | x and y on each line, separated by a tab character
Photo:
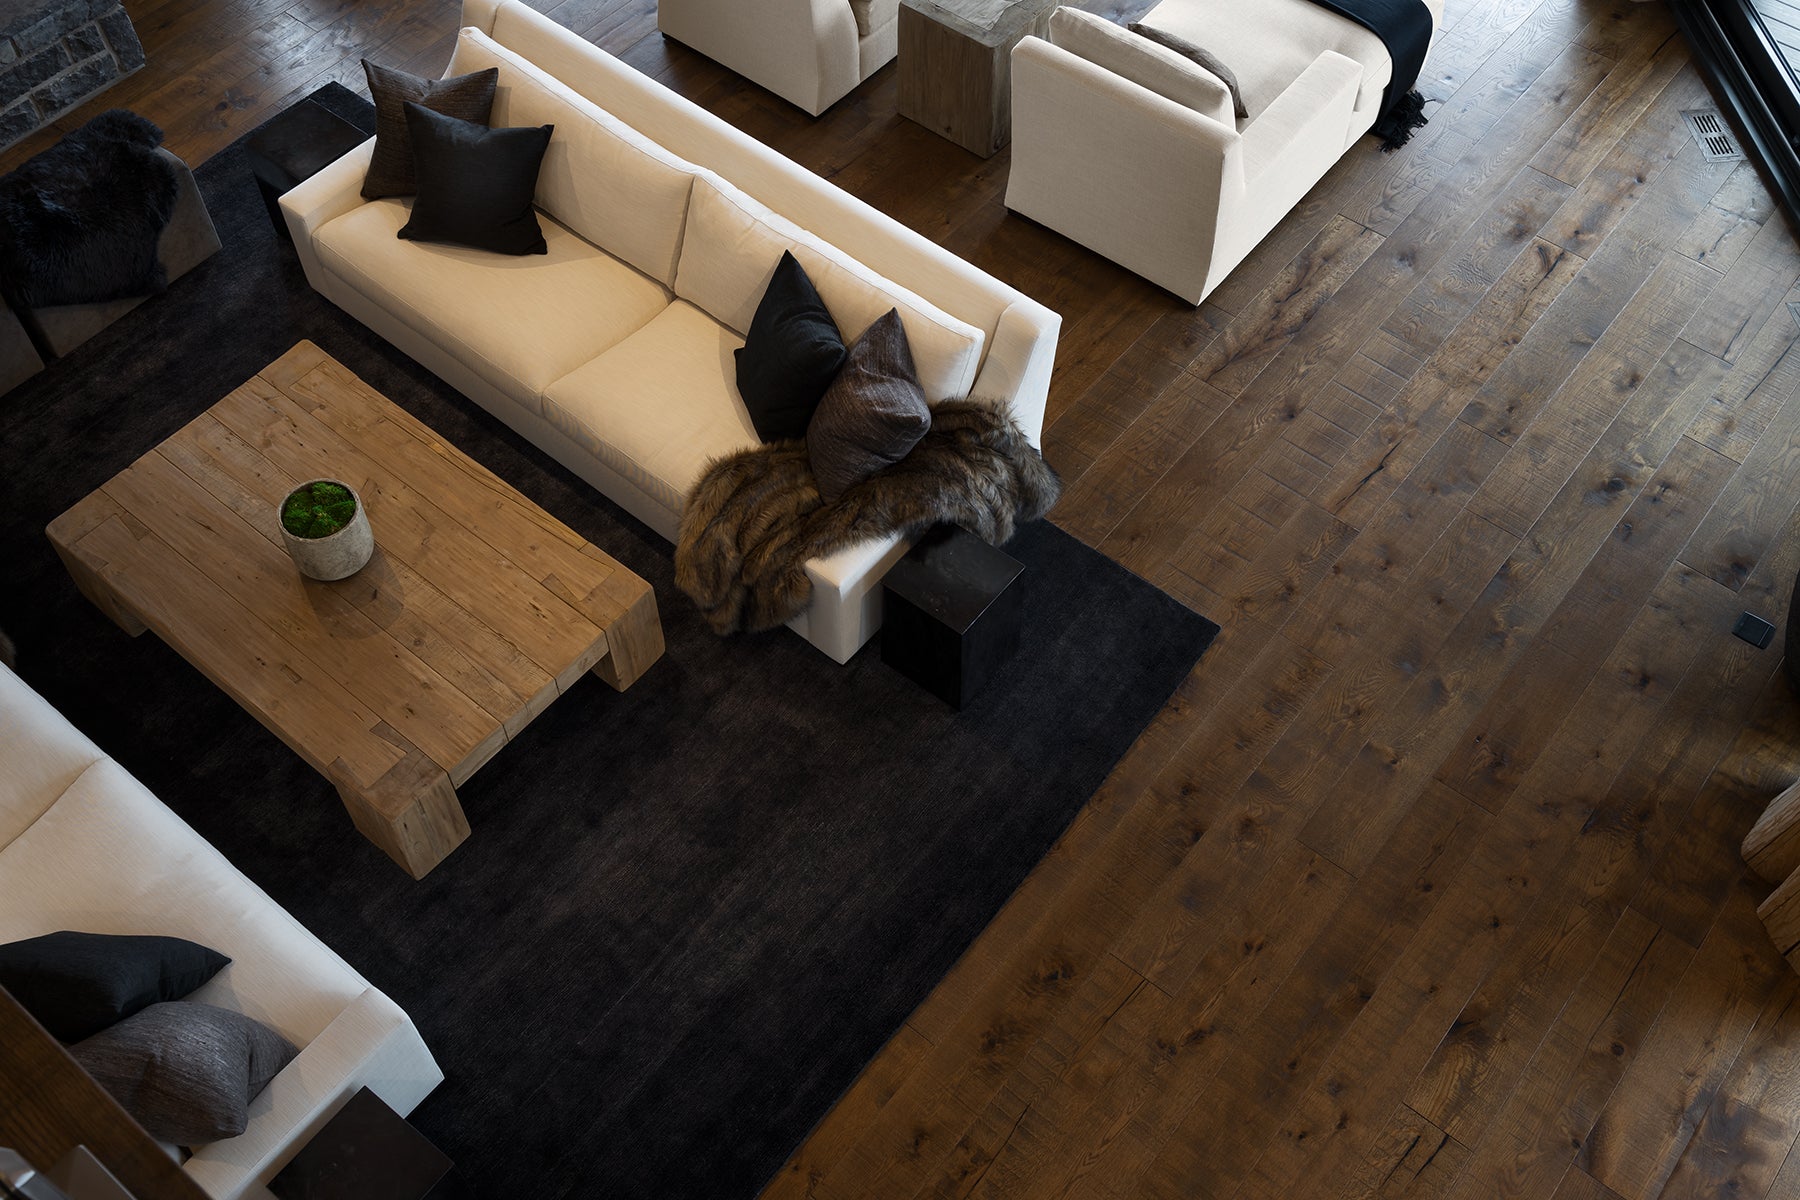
82	219
756	517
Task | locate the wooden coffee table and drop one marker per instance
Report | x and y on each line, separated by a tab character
398	683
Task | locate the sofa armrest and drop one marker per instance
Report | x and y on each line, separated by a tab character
313	203
805	51
1122	170
1020	358
1303	131
371	1044
846	604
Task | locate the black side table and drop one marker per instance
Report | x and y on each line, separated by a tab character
297	143
368	1152
951	613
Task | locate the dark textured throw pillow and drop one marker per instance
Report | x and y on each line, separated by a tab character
466	97
1201	57
790	356
873	413
76	984
185	1072
475	183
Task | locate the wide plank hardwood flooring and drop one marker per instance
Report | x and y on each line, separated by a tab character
1426	883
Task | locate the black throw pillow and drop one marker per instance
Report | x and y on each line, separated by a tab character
475	183
790	356
469	97
77	984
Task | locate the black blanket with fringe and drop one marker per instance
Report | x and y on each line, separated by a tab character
1404	26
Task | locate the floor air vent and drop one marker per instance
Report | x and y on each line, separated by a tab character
1715	137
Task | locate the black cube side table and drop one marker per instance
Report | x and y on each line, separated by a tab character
297	143
951	613
368	1152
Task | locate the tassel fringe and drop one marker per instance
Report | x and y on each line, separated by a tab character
1395	127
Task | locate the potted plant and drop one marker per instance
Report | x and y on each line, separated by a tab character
326	530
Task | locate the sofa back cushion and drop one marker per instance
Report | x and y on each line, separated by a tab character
689	131
733	244
1144	62
601	178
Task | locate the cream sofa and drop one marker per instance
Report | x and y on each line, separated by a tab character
1130	149
613	352
84	846
808	52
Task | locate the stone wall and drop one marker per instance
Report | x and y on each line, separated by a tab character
56	53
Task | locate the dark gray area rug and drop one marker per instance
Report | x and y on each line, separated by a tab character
689	913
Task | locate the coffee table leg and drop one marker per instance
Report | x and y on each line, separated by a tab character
412	813
633	641
92	585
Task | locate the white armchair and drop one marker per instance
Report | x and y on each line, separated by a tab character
1133	150
808	52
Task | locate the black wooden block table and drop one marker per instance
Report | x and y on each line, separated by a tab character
368	1152
297	143
951	613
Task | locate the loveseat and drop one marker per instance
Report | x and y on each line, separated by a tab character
1137	153
84	846
809	52
613	352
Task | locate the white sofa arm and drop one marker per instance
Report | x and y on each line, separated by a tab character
370	1044
805	51
331	193
1304	130
1122	170
1019	362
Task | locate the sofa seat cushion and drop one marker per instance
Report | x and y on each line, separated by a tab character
41	754
519	323
734	243
873	14
660	405
1243	36
109	857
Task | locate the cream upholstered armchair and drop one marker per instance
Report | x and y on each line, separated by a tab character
808	52
1139	154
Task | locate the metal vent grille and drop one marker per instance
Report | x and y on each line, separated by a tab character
1714	136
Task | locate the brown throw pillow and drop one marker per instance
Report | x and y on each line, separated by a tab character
1201	57
873	413
466	97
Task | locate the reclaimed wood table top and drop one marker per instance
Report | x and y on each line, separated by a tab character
476	611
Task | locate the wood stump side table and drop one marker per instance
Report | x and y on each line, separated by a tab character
955	64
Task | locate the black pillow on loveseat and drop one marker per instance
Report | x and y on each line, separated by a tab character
77	984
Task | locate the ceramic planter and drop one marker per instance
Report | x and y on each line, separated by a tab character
336	555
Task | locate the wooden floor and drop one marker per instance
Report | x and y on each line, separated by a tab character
1427	882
